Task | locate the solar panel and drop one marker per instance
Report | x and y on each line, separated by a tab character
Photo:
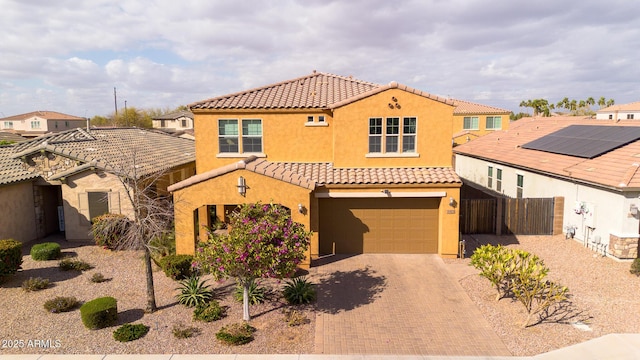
585	141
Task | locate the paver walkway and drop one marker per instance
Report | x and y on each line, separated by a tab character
398	304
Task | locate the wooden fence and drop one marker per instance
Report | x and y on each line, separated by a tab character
531	216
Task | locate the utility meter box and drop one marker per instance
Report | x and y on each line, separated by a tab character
589	214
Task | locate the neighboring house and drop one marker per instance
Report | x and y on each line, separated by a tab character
37	123
366	167
179	120
471	120
629	111
592	163
70	177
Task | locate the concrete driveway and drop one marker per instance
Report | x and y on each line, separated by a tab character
398	304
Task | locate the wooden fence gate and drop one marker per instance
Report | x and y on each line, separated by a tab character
531	216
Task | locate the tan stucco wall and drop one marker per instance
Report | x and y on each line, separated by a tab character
458	126
17	215
77	225
286	136
433	140
222	191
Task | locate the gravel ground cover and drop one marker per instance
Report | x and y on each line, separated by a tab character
603	296
28	328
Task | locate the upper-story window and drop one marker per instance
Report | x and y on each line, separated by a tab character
228	135
8	125
252	135
470	123
184	123
310	118
397	135
494	122
629	116
320	118
35	124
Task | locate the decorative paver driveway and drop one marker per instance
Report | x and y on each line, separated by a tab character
398	304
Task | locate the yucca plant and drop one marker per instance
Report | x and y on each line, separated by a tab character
194	292
299	291
257	293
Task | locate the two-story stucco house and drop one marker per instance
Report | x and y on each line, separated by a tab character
629	111
178	120
472	120
37	123
366	167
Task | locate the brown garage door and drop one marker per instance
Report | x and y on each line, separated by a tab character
381	225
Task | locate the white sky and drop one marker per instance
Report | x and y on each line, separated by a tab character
68	55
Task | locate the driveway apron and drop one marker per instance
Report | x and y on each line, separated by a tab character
398	304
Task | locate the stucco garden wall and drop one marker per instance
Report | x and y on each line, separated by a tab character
17	215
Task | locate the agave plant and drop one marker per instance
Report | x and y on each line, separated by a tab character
299	291
194	292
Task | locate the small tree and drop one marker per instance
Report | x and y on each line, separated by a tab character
263	243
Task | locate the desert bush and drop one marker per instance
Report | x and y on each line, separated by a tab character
182	331
98	278
177	267
35	284
257	293
194	292
99	313
10	257
130	332
299	291
209	312
236	334
496	264
107	229
61	304
295	318
635	267
45	251
68	264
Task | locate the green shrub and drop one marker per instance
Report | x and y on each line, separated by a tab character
194	292
496	264
209	312
236	334
68	264
257	293
162	246
181	331
177	267
295	317
99	313
10	257
635	267
35	284
98	278
299	291
61	304
45	251
130	332
107	229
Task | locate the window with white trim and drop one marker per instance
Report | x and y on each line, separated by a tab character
629	116
398	135
494	122
35	124
490	177
519	186
228	135
499	180
184	123
8	125
470	123
252	136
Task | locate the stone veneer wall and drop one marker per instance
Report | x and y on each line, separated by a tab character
622	247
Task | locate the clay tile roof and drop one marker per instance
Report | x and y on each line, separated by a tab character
467	107
11	170
11	137
326	174
49	115
634	106
616	168
139	152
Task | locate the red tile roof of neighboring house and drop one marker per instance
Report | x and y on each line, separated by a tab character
49	115
467	107
308	175
616	168
634	106
315	91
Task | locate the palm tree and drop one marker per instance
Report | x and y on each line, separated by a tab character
610	102
602	102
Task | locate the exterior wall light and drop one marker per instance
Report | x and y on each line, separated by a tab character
301	209
452	202
242	186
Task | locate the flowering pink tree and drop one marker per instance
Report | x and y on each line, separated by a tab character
263	243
